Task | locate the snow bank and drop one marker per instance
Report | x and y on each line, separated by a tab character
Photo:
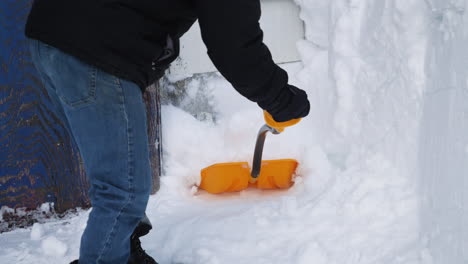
444	139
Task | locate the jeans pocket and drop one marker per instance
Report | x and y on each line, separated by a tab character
74	80
80	92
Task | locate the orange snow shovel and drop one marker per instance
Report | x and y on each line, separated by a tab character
267	174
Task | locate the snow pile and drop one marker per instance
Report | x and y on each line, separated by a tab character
354	200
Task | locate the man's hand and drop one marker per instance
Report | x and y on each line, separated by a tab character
291	103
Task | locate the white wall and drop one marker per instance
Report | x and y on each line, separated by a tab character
282	29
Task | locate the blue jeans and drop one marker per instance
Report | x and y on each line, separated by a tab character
107	119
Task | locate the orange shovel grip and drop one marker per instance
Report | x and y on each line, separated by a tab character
278	125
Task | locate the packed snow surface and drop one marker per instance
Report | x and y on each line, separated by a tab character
355	198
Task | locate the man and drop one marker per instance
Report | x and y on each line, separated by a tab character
96	57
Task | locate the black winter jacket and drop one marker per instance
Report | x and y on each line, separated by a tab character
137	39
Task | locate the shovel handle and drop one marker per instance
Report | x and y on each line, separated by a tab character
258	152
270	126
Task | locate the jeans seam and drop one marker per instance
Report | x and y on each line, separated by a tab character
130	165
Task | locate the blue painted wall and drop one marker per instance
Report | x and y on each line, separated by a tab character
38	160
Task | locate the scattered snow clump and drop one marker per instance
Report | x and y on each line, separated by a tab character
51	246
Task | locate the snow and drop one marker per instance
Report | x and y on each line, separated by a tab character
4	210
37	231
51	246
356	198
443	158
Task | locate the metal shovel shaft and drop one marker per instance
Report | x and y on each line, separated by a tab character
258	152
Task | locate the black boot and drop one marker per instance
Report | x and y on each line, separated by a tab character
137	254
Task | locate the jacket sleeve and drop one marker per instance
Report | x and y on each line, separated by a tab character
231	32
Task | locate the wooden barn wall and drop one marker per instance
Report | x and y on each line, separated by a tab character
39	161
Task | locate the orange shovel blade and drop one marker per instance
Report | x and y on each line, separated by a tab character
276	174
233	177
225	177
